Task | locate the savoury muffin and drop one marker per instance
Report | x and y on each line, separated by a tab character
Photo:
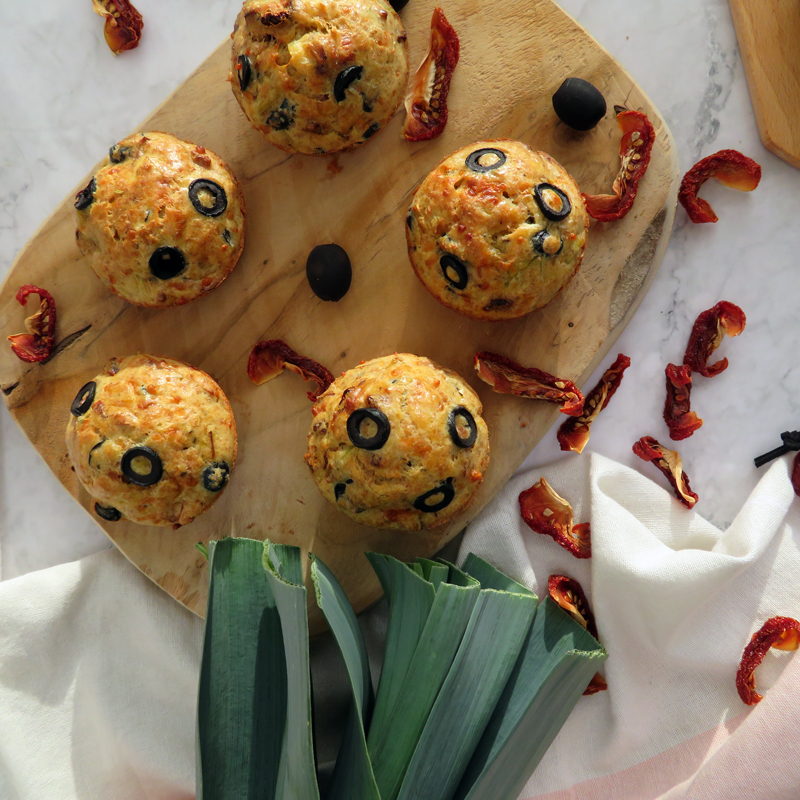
162	221
152	440
496	230
398	442
319	76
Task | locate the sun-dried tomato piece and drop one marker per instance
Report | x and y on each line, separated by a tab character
681	420
796	474
638	136
730	168
597	684
507	377
574	432
268	359
124	24
710	328
782	633
545	511
426	101
37	344
671	464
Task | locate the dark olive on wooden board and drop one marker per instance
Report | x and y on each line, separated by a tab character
554	203
397	5
579	104
547	243
329	272
343	80
245	72
437	498
216	475
454	271
208	197
117	153
458	420
107	513
166	262
84	399
282	117
85	197
368	428
142	454
486	159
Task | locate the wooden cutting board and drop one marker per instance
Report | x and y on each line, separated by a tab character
514	55
769	40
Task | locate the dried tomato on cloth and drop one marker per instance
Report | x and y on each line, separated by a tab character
782	633
710	328
544	511
426	101
508	377
681	420
638	136
123	27
37	344
730	168
574	432
268	359
671	464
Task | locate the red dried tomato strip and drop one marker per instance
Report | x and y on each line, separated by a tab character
123	27
37	344
670	463
597	684
796	474
710	328
782	633
638	136
268	359
544	511
574	432
426	101
508	377
730	168
681	420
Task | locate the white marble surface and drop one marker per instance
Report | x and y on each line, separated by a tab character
64	99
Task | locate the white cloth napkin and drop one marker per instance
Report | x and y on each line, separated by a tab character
98	667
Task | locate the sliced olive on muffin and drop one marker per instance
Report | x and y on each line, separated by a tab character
437	499
85	197
368	428
485	159
208	197
553	202
84	399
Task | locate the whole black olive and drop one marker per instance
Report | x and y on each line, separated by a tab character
166	262
447	492
343	81
245	72
216	475
397	5
486	159
454	271
85	197
204	189
461	417
544	241
84	399
579	104
107	513
282	117
139	478
329	272
117	153
554	203
380	422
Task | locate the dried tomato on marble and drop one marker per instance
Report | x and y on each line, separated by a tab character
508	377
37	344
426	101
123	26
681	420
710	328
544	511
782	633
671	464
635	148
574	432
268	359
730	168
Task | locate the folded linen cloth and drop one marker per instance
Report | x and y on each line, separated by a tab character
98	667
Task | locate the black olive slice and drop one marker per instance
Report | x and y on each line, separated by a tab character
117	153
343	81
460	417
486	159
372	130
547	243
215	476
282	117
166	262
341	488
329	272
245	72
554	203
84	399
208	197
226	235
579	104
380	422
428	502
139	478
410	220
454	271
85	197
107	513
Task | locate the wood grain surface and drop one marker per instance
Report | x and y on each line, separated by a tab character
769	40
501	88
